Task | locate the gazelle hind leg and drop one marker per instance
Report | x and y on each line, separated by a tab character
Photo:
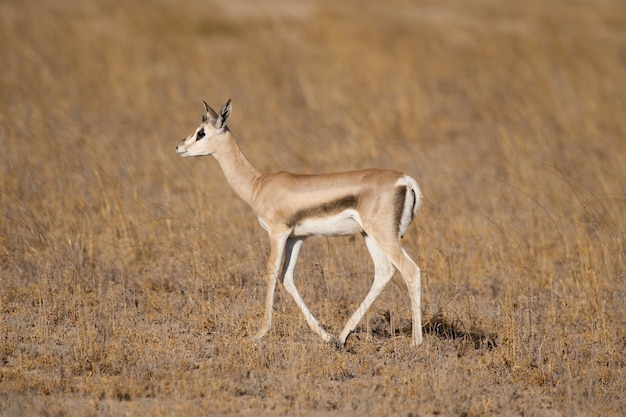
412	277
293	247
383	271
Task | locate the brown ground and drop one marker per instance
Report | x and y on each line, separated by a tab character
131	279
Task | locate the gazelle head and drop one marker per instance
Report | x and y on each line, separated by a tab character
207	137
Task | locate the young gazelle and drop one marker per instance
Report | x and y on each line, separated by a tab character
378	204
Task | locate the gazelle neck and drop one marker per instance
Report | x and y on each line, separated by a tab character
238	171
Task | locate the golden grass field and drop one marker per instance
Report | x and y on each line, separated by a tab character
131	279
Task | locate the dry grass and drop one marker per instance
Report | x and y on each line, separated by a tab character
131	278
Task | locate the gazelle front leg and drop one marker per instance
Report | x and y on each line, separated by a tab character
292	251
277	250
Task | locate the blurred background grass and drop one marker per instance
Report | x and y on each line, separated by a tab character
130	278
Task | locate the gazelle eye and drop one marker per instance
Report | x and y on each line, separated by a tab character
200	134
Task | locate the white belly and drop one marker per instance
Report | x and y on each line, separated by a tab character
344	223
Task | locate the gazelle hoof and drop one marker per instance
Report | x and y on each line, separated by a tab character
337	343
262	332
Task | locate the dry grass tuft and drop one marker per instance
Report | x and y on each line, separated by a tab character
130	279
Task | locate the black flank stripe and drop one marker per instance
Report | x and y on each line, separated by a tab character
332	207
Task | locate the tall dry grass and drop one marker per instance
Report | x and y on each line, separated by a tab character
131	279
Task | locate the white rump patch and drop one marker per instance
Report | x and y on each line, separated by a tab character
412	202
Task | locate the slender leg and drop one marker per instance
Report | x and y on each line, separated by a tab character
412	277
277	250
383	271
292	250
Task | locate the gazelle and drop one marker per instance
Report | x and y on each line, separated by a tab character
378	204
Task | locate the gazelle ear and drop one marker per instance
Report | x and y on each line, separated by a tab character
210	113
220	123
